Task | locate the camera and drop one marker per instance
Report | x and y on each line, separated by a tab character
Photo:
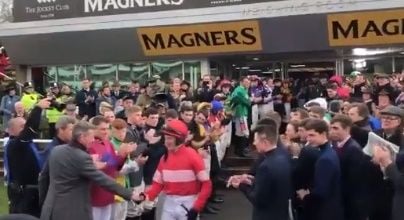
55	104
205	84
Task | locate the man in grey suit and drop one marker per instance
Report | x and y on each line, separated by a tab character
71	171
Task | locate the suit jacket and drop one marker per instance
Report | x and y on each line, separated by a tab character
354	182
86	108
271	190
135	135
303	173
71	171
118	95
324	200
44	179
393	173
397	138
360	131
22	163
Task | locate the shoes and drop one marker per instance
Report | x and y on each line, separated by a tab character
210	210
217	209
216	200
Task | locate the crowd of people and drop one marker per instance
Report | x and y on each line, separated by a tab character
113	151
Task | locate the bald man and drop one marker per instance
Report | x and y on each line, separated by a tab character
23	162
19	110
15	126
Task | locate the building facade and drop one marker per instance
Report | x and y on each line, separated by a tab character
66	40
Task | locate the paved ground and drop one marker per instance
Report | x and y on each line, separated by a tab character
235	207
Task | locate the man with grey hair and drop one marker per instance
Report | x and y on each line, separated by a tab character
64	129
71	171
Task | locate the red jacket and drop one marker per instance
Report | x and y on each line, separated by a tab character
105	150
182	173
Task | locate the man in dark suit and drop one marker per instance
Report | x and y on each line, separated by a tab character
270	190
354	167
303	170
117	92
383	157
23	162
71	171
392	119
85	99
323	201
64	128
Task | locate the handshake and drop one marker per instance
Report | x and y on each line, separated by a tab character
139	197
143	198
236	180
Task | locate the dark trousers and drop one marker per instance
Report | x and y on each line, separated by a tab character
214	169
134	218
23	200
150	215
382	203
52	131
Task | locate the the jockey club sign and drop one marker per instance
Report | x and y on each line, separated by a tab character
31	10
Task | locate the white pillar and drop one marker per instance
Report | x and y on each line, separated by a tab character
205	67
393	64
339	67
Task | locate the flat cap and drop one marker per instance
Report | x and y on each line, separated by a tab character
393	110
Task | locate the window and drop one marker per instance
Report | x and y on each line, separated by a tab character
71	75
192	71
136	71
101	72
167	70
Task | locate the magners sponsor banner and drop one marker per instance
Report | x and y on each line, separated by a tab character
30	10
226	37
366	28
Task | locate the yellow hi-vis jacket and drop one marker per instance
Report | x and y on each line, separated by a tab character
53	114
29	101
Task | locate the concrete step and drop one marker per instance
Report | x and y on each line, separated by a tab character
235	161
230	171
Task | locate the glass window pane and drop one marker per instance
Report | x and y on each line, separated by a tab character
399	64
167	70
101	72
51	75
71	75
192	72
136	71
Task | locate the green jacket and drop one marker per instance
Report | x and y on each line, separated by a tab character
240	102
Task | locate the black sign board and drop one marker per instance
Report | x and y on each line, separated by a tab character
31	10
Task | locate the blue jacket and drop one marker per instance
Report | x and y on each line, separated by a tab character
271	189
324	200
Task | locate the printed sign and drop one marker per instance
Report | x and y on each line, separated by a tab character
366	28
30	10
201	38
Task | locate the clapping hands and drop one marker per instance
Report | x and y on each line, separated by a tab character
126	148
150	136
236	180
